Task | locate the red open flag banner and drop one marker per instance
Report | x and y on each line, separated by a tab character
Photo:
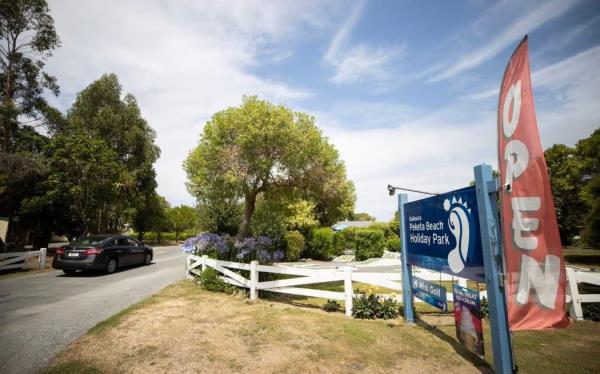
535	269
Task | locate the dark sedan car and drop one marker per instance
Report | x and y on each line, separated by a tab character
101	252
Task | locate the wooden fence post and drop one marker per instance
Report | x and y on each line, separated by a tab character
253	280
204	258
575	311
42	258
188	263
348	289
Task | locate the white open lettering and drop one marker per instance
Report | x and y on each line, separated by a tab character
521	225
544	282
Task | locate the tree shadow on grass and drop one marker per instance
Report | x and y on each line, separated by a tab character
480	364
293	300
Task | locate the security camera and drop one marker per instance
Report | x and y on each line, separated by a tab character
391	190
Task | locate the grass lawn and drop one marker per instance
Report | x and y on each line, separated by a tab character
186	329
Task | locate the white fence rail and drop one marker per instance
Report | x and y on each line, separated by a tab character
574	277
10	260
304	277
348	275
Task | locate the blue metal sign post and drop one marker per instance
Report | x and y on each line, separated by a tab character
491	240
407	296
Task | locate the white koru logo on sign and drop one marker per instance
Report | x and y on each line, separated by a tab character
459	222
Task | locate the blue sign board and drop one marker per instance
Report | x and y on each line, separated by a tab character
443	234
431	293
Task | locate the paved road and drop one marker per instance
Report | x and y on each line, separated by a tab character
41	314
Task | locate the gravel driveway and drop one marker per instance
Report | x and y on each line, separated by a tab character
41	314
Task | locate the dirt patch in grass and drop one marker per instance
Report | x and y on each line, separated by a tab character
185	329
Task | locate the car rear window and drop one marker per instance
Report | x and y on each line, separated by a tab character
90	240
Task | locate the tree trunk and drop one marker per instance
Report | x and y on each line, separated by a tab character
250	202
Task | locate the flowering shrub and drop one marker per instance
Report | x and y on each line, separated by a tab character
223	247
368	305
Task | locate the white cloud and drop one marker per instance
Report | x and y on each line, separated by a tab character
358	63
183	60
530	21
566	95
573	86
430	154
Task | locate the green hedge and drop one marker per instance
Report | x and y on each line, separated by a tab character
320	244
294	243
369	243
393	244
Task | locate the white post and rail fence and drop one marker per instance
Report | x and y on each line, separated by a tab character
348	274
16	260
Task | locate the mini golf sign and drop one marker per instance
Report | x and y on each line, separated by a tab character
431	293
443	234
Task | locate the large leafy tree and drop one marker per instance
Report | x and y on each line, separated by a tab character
259	147
101	113
575	180
27	39
565	170
588	150
83	183
182	218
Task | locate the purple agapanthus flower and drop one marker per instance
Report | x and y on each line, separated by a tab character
263	256
242	254
264	241
209	241
278	255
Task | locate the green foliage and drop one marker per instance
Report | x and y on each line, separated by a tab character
395	224
294	245
101	164
591	311
301	216
385	227
393	244
209	280
269	220
82	184
370	306
588	150
150	215
369	243
260	147
565	173
575	180
182	218
485	308
320	244
361	217
331	306
28	38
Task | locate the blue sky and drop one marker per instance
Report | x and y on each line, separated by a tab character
406	90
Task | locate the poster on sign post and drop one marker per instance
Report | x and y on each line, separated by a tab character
431	293
535	269
467	318
442	234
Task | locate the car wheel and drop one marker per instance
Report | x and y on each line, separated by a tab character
69	271
147	259
111	266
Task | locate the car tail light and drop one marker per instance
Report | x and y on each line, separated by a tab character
60	251
93	251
